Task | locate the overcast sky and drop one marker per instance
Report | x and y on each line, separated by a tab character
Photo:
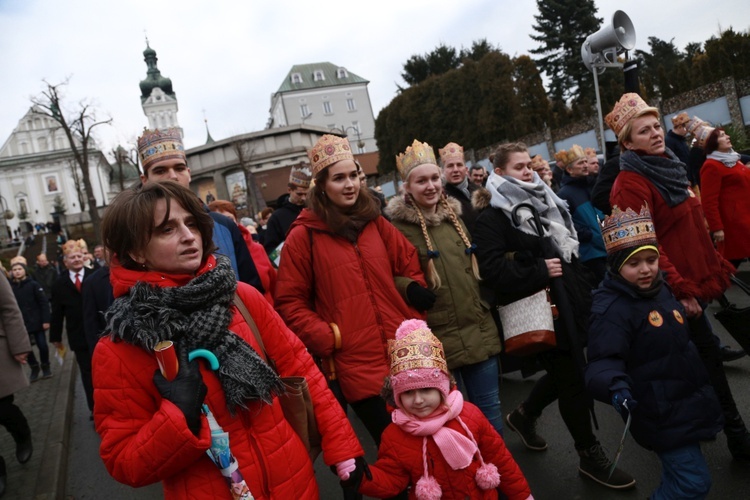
228	57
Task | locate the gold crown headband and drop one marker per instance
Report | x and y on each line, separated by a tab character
157	145
328	150
451	152
419	153
680	119
629	106
418	349
570	156
300	177
628	229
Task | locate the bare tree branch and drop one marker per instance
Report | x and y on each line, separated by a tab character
77	127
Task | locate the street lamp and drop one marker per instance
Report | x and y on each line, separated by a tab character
600	50
345	131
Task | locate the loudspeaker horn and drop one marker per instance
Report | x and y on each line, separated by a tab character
617	36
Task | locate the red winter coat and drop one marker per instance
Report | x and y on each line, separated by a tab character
400	463
263	264
725	194
360	287
694	268
145	438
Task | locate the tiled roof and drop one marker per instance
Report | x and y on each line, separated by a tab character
307	72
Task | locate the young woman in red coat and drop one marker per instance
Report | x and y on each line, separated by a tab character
440	445
168	286
347	278
651	175
725	195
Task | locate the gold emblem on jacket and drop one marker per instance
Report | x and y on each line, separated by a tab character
678	316
655	319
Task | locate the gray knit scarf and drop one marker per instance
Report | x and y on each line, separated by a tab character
196	316
507	192
668	175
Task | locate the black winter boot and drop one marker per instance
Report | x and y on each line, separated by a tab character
46	371
596	466
24	448
738	439
34	373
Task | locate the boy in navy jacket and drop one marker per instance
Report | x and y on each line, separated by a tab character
641	359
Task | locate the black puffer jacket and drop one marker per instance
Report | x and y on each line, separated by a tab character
32	302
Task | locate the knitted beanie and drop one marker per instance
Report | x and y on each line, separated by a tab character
417	360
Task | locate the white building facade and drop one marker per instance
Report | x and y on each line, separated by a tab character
328	96
36	174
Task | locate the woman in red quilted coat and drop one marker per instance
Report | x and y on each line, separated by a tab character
168	286
444	447
347	278
725	195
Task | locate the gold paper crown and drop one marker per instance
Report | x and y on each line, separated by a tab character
570	156
538	162
629	106
419	153
560	157
693	125
417	349
623	230
701	133
72	246
680	119
157	145
590	152
300	176
328	150
18	259
451	152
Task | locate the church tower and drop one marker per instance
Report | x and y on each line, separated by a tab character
157	98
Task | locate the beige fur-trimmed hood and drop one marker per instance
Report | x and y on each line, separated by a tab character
399	210
480	199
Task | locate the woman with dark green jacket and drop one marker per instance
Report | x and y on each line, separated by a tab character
460	319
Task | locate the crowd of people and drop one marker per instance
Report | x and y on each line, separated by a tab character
392	310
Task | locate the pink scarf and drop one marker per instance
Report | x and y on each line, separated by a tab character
457	449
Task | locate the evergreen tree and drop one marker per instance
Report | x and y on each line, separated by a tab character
532	98
441	60
562	27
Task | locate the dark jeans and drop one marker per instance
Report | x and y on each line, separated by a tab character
40	338
564	383
480	381
702	335
13	419
83	358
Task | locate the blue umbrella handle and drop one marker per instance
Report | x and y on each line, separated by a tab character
207	355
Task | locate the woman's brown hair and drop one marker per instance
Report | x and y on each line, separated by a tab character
501	155
128	222
223	206
365	208
712	141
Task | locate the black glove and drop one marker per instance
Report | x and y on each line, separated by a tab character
355	478
187	391
420	297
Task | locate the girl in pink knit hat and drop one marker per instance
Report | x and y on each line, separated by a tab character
439	445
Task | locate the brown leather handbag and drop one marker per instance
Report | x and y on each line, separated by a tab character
296	402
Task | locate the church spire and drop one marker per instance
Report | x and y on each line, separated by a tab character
209	139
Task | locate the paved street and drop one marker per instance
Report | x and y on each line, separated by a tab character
72	465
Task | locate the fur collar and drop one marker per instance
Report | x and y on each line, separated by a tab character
480	199
399	210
